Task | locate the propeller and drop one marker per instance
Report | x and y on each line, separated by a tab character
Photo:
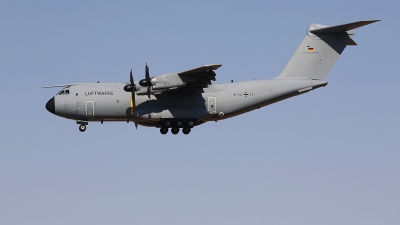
146	82
131	88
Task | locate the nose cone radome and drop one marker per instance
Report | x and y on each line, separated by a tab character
51	106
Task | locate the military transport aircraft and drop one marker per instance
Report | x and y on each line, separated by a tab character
186	99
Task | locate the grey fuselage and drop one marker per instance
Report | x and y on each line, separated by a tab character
109	101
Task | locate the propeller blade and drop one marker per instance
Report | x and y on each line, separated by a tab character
148	81
131	78
147	74
132	102
132	88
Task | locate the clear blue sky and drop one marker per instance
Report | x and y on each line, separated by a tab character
330	156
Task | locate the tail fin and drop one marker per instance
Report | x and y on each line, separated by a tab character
319	50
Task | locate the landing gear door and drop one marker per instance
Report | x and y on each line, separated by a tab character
212	105
89	109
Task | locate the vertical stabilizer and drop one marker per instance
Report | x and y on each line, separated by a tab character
319	50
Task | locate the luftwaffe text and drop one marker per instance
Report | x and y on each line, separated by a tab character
98	93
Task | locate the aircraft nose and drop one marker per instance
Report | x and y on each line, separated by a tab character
51	106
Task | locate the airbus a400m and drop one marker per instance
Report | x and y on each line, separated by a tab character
181	101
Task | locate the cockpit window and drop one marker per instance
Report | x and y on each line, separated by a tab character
63	92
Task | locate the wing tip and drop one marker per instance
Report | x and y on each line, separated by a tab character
213	66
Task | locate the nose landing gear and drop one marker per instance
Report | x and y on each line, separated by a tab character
82	125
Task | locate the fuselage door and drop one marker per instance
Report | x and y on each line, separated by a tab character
212	105
89	108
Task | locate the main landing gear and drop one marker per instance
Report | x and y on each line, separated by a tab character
186	127
186	130
175	130
164	130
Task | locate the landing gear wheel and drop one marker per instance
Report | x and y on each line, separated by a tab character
175	130
164	130
82	127
186	130
190	123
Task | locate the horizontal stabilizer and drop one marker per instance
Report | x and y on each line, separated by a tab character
343	27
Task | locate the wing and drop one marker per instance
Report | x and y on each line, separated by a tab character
194	79
199	77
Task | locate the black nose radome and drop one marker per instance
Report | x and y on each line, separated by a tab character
51	106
